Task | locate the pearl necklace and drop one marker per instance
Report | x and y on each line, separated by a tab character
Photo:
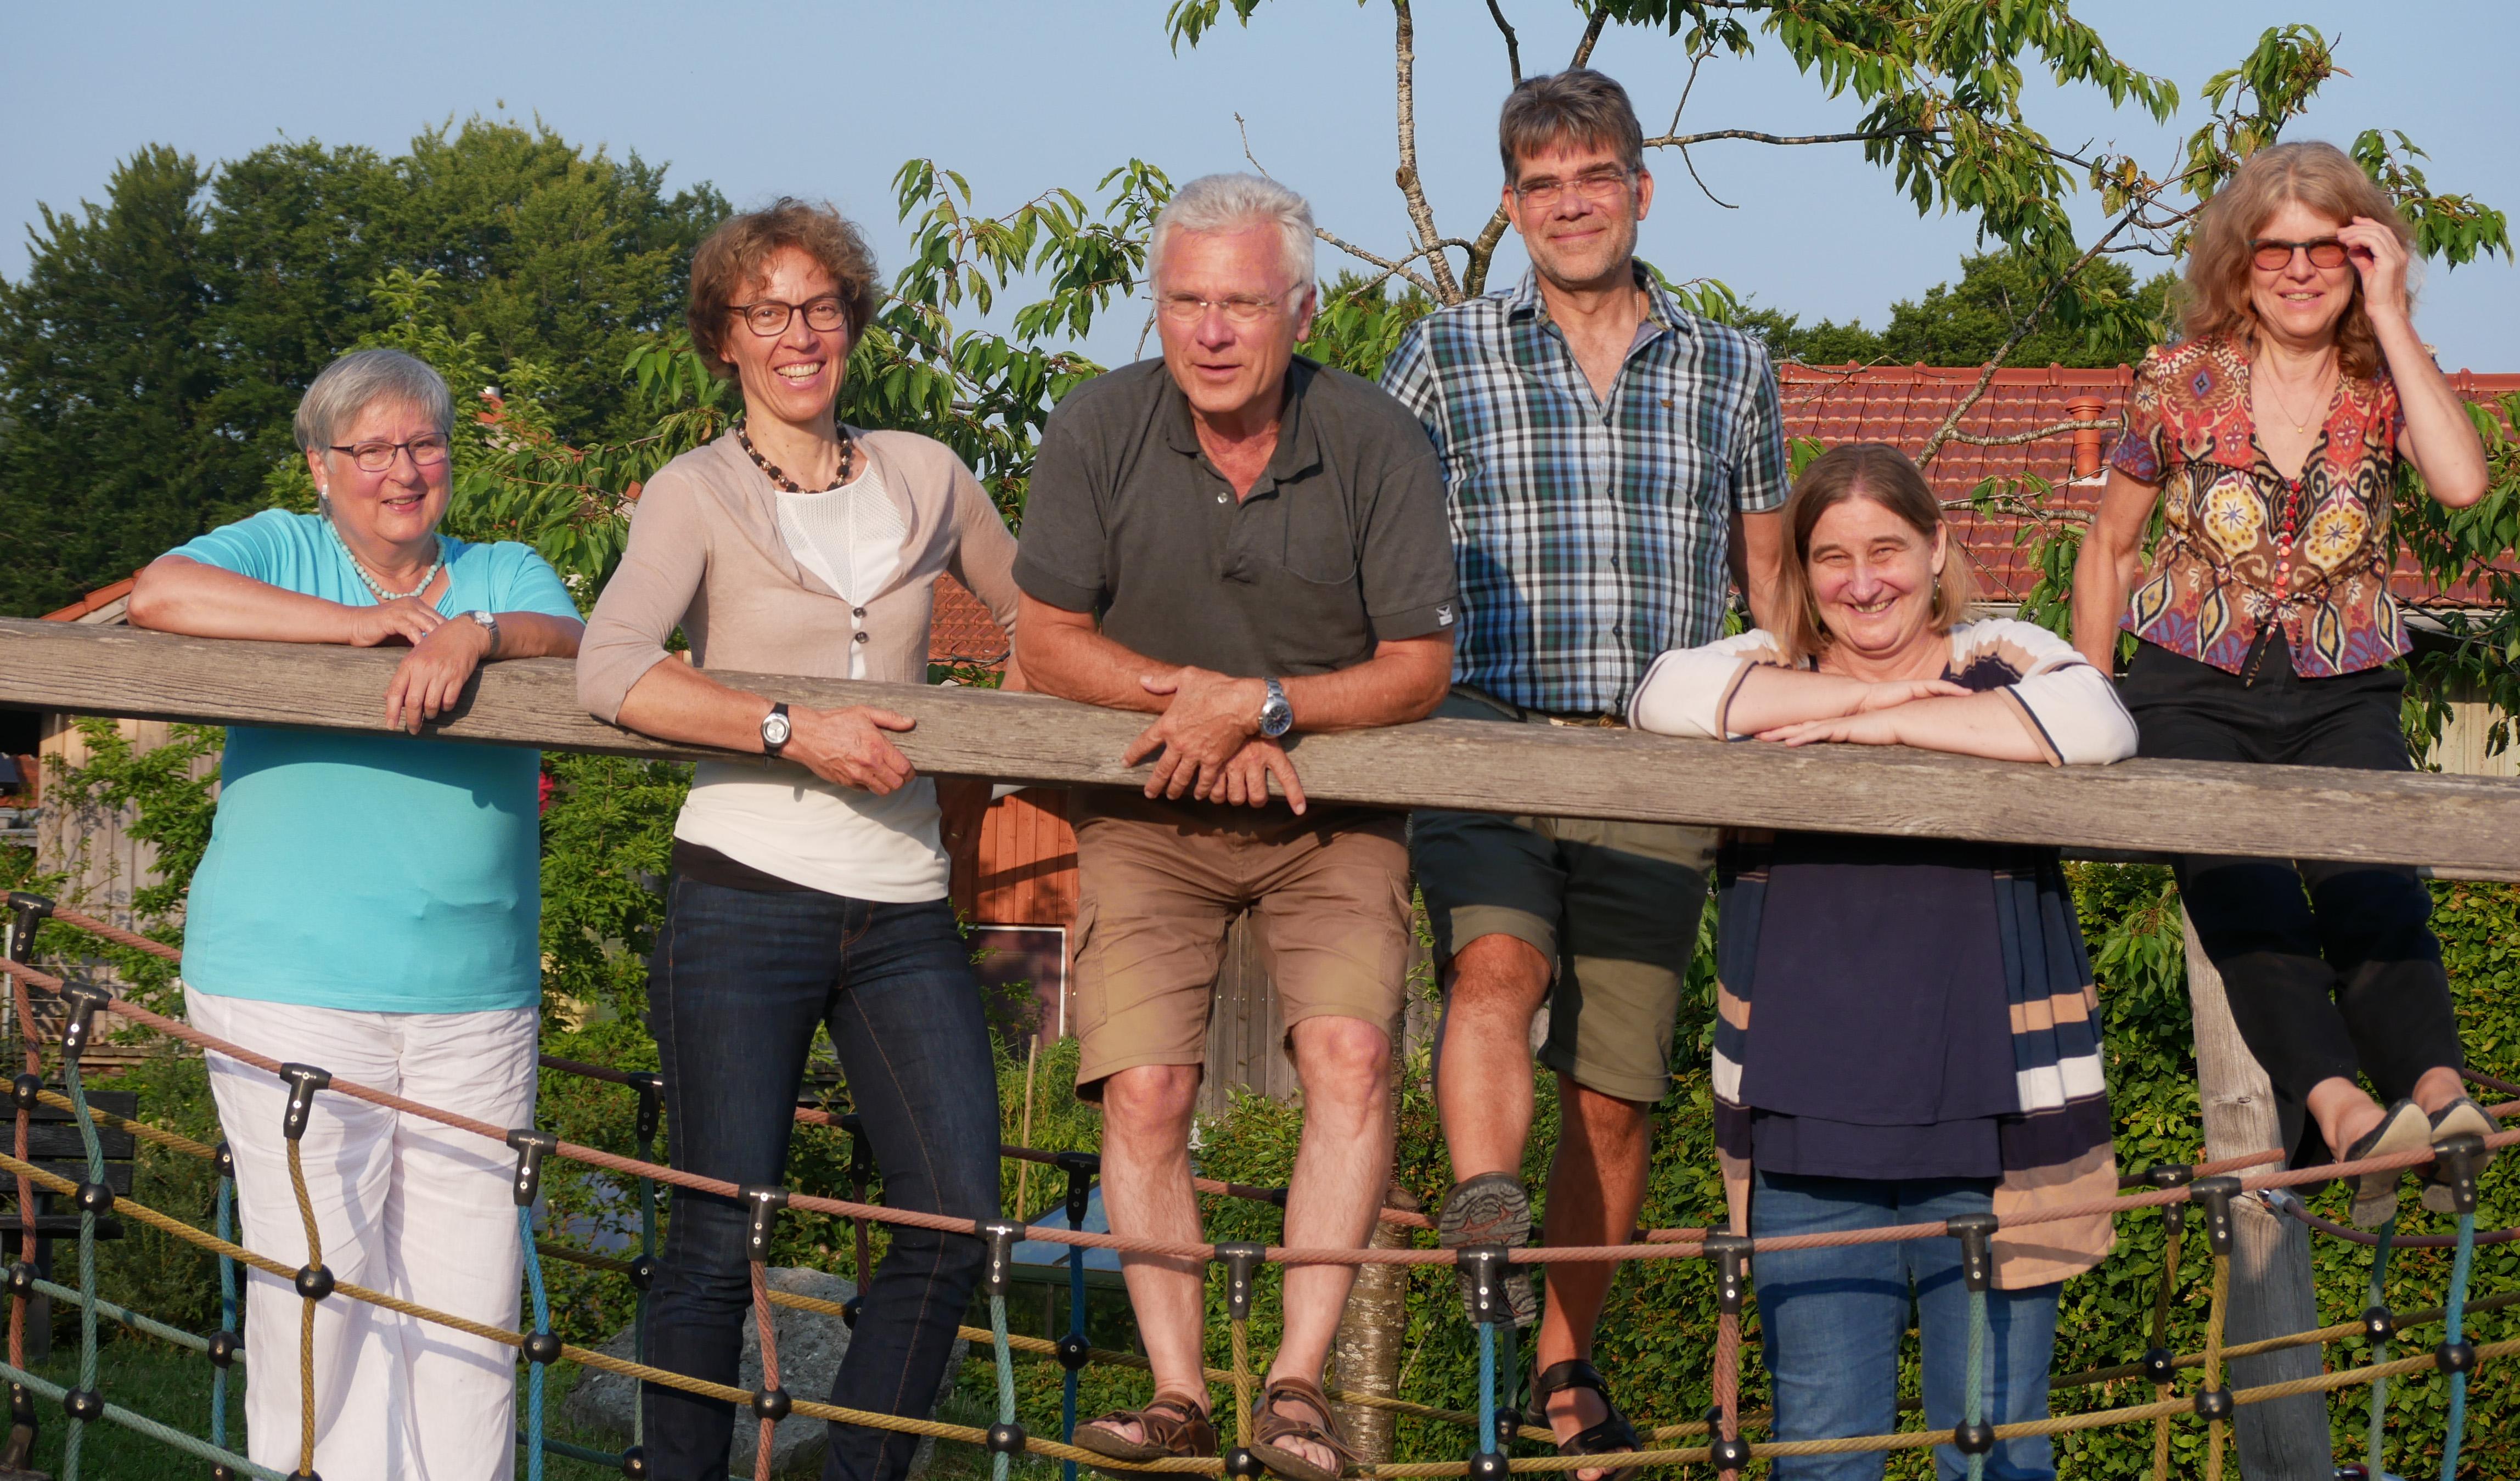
377	587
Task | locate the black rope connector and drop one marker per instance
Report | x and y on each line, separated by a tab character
2160	1365
542	1348
95	1198
2214	1196
1731	1256
304	1080
304	1475
220	1470
1488	1465
1973	1437
1082	1168
2380	1324
850	1311
651	1090
763	1201
1241	1259
224	1160
27	1090
83	1001
1006	1439
1488	1270
999	1274
26	911
224	1348
83	1404
530	1146
1729	1454
1070	1351
314	1281
2455	1356
642	1271
634	1463
1240	1463
1976	1234
772	1403
2456	1161
2213	1404
22	1280
2169	1175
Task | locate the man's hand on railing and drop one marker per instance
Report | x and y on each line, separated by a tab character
1247	774
1199	732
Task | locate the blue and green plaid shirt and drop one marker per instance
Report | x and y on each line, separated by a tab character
1590	538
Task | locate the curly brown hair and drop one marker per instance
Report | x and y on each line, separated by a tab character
1889	478
733	258
2215	297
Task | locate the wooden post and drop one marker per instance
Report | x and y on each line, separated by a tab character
2271	1290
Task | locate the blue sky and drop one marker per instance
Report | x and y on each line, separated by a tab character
828	100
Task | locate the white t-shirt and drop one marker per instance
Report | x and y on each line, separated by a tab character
788	822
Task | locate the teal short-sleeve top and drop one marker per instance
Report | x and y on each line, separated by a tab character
380	873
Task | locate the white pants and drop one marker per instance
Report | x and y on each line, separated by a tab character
405	1206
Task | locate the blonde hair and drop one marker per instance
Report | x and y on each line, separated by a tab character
2215	297
1889	478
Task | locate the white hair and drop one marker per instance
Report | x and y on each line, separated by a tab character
350	384
1235	203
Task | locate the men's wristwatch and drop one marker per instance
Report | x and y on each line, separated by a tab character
774	730
489	624
1276	716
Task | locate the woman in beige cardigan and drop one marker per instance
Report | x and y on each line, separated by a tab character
811	890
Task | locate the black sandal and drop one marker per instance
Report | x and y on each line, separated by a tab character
1608	1438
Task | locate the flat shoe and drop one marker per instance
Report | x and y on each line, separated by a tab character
2461	1116
2404	1128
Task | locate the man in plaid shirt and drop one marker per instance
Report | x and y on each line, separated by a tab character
1614	463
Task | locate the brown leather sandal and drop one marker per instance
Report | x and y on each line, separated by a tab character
1174	1426
1269	1427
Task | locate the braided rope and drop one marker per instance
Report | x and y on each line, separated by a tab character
306	1313
998	1459
768	1427
2174	1222
542	1324
2378	1292
2461	1265
2214	1429
163	1434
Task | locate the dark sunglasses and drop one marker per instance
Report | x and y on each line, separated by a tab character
2271	255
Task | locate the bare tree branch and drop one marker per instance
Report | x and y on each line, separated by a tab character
1592	34
1684	141
1412	190
1400	268
1245	130
2021	332
2039	435
1513	48
1695	61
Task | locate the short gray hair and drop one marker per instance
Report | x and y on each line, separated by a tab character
359	379
1235	202
1578	106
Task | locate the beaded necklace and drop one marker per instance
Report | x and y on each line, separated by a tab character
778	479
377	587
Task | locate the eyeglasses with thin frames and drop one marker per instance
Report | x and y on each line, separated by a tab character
377	457
770	318
1601	184
1238	308
2271	255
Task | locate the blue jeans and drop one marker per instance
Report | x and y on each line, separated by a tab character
738	980
1832	1322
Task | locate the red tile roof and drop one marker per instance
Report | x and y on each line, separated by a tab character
102	596
962	631
1904	405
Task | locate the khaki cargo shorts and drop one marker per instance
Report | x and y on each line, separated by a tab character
1157	882
1614	907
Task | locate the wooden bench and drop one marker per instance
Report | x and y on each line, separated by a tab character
53	1144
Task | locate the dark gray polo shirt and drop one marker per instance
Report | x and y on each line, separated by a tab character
1342	543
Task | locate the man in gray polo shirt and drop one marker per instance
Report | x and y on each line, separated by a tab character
1246	545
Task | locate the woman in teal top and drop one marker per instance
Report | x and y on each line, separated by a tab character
371	904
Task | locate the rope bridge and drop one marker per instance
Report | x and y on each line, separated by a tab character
1721	1439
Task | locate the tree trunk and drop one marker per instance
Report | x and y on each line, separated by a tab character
2271	1292
1365	1356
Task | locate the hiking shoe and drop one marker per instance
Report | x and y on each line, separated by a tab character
1491	1208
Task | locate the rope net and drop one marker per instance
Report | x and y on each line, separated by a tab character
1722	1437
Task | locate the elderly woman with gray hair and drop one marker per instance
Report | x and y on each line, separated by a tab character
370	904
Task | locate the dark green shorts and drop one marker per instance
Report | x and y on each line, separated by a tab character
1614	906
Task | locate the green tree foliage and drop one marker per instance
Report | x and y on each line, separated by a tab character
151	357
1968	322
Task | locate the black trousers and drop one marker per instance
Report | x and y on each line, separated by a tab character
2330	967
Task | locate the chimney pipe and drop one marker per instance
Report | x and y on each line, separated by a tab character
2089	441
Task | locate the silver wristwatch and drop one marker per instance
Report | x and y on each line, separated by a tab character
1276	716
489	624
774	730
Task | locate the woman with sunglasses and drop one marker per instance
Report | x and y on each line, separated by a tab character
808	890
371	905
2271	438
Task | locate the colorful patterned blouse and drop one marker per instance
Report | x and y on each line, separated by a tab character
2241	546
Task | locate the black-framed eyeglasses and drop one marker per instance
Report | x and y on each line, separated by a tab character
769	317
2271	255
1598	185
376	456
